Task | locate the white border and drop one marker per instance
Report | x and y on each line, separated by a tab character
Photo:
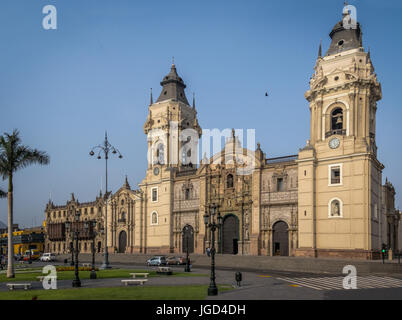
340	209
330	166
324	111
157	194
157	218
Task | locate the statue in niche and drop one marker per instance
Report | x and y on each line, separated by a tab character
335	208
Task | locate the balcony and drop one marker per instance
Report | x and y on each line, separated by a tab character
340	132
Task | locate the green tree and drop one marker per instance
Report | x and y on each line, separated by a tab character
13	157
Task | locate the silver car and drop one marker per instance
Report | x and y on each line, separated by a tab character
157	261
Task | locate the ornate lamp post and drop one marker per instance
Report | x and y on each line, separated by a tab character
93	235
105	148
185	232
75	234
71	249
212	224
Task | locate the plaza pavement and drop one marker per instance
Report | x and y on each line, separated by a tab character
274	285
262	263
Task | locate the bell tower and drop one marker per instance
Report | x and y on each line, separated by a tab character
172	131
171	124
339	174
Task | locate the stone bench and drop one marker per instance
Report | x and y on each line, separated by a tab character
26	286
145	275
134	281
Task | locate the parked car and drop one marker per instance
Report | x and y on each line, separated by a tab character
172	260
157	261
48	257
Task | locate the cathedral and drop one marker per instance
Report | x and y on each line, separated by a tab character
326	200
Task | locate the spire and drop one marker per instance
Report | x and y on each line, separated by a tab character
152	100
126	184
173	87
320	50
193	100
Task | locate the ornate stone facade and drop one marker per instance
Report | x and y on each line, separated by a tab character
324	201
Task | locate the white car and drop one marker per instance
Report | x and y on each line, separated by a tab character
48	257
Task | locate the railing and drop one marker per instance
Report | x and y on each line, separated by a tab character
282	159
340	132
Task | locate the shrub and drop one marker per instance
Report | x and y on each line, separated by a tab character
72	269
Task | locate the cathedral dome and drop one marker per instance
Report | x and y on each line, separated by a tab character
345	36
173	87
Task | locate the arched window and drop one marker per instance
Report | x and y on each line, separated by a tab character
123	217
335	209
187	193
154	218
337	120
160	153
229	181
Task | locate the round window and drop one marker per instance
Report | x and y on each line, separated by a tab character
341	42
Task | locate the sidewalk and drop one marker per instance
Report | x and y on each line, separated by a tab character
261	263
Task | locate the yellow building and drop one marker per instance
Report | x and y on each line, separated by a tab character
23	240
327	200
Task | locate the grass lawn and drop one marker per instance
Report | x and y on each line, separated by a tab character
196	292
101	274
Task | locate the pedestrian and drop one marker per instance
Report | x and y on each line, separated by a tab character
208	252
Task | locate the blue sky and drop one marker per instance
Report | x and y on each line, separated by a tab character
63	88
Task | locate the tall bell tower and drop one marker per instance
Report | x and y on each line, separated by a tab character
339	174
172	131
171	124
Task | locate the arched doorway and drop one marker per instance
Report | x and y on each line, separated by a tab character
122	242
230	235
188	239
280	239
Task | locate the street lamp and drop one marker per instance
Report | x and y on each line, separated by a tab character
187	229
71	248
75	234
212	224
93	235
105	148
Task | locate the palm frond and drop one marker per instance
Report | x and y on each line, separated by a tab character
3	194
15	156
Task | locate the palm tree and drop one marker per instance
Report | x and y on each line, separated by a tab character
13	157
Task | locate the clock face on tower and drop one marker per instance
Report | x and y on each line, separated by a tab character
334	143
